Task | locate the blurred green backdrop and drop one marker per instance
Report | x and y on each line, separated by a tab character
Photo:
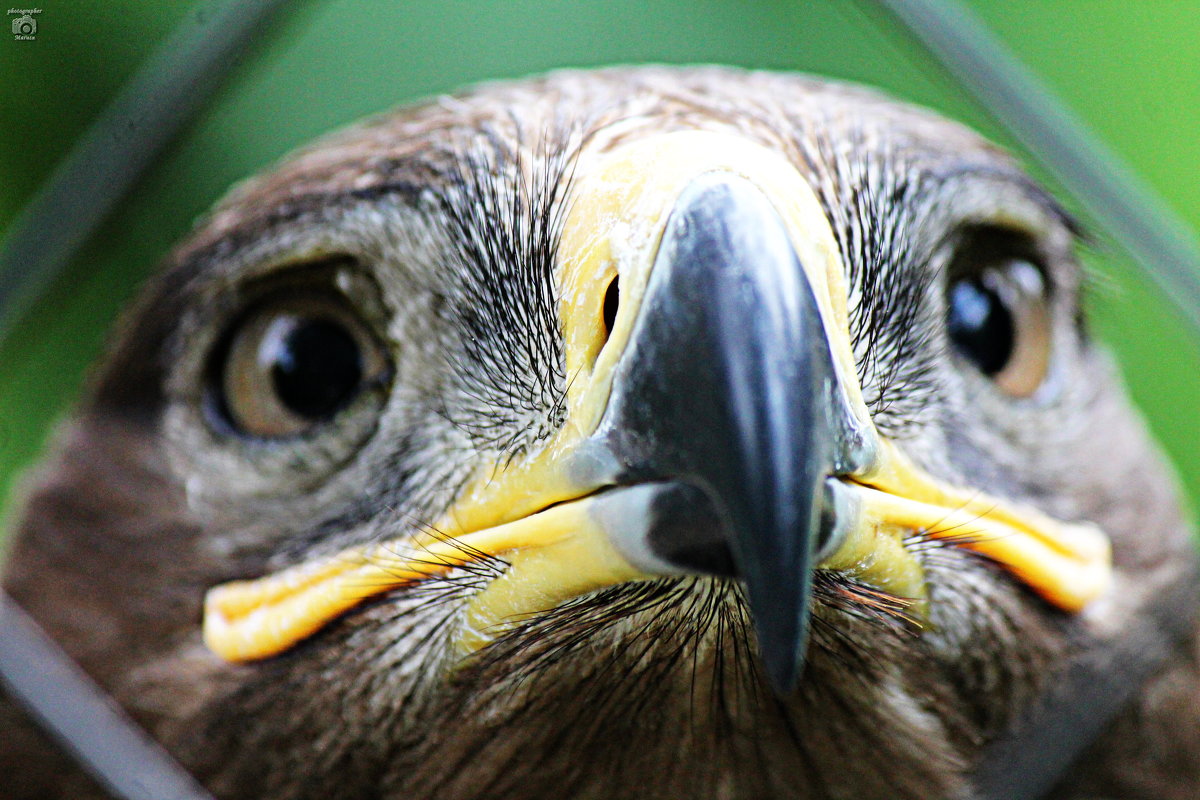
1132	69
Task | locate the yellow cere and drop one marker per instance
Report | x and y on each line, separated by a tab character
534	514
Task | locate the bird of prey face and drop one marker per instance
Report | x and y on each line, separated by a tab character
648	433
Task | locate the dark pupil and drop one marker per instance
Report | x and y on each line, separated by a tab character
316	368
980	326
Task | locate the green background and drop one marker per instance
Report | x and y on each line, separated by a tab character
1131	68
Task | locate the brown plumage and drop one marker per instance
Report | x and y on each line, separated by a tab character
643	690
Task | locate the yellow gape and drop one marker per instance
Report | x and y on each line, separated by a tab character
538	512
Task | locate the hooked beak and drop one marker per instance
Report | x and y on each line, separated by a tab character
728	387
717	429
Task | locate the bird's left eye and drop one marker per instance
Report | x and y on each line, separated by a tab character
294	362
998	319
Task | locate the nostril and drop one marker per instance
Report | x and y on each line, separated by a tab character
612	302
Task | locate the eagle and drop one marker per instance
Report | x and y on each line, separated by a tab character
632	433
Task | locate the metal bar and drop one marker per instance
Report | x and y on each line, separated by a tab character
78	713
167	91
1123	206
1026	763
1075	710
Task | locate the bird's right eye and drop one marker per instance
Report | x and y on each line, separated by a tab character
292	363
